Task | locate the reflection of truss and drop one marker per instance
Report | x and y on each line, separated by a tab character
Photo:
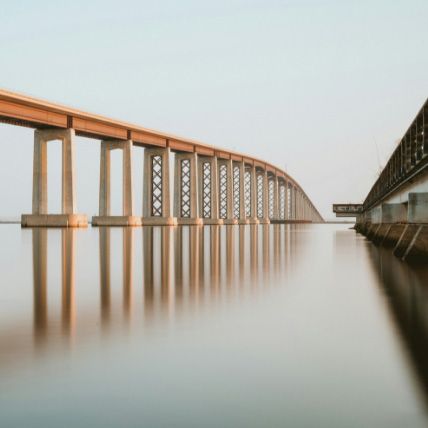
247	193
223	191
206	190
236	191
157	186
282	202
185	188
271	197
260	196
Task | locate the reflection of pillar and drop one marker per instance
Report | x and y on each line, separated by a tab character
230	259
265	231
201	257
215	255
105	273
40	216
68	280
128	249
148	268
254	251
166	292
156	188
178	263
40	307
193	260
241	252
276	245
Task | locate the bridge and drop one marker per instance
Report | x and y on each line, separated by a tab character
211	185
395	212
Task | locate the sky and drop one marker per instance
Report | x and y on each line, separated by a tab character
323	89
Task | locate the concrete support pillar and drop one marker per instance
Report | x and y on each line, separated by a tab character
104	197
186	189
156	188
265	218
275	199
127	190
68	200
418	208
208	191
294	193
229	191
253	198
214	192
286	203
40	216
105	218
242	216
40	175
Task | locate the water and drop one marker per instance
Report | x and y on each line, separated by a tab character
273	326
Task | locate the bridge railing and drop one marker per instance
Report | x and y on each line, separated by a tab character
409	158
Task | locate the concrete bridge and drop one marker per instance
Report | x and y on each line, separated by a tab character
395	212
211	185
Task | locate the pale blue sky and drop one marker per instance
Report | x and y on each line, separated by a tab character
313	86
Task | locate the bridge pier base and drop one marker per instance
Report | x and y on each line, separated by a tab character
186	189
39	216
105	218
156	189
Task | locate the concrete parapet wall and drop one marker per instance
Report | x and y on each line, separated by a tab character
418	208
394	213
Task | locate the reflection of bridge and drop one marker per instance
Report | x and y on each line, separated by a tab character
211	185
408	303
181	267
395	212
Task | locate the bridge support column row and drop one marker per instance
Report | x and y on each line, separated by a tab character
207	189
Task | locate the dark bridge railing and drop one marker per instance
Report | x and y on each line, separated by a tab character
408	159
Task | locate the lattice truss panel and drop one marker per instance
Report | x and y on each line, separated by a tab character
271	197
185	188
236	191
289	215
260	196
206	190
282	202
157	186
223	191
247	193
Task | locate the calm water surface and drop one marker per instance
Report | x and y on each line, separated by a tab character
269	326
